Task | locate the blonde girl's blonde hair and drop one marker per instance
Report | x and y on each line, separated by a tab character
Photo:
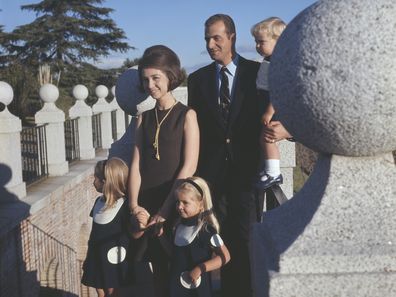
200	190
272	27
115	182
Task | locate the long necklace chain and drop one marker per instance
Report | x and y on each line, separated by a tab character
157	131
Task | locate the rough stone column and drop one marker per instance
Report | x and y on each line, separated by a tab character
287	151
55	133
335	92
120	116
101	106
83	112
10	139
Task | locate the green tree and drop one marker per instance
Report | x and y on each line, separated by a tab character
67	32
67	35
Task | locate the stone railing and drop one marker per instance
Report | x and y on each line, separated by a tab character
53	120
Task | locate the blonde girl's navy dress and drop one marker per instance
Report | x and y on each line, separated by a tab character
193	244
106	264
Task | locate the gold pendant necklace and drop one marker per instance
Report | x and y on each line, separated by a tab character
157	131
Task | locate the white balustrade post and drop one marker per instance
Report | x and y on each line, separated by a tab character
10	139
120	117
102	107
83	112
55	133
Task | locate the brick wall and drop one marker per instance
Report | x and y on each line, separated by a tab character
41	255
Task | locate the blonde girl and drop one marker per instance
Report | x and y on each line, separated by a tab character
105	267
197	245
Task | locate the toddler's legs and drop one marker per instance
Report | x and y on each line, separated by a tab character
271	159
270	175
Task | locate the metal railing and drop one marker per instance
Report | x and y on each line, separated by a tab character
114	124
72	144
96	131
34	154
55	262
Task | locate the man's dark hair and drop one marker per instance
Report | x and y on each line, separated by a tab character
226	19
162	58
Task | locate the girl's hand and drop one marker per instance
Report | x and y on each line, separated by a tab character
195	273
157	220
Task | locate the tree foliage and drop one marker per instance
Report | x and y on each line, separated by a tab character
67	32
67	35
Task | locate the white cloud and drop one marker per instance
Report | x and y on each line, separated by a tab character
110	62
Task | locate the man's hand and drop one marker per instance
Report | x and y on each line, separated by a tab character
274	132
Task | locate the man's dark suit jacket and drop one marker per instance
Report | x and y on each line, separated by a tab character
229	154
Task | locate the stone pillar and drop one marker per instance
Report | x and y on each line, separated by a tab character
83	112
120	116
102	107
55	133
10	139
287	151
334	92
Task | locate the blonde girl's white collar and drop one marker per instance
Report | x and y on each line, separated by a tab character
101	215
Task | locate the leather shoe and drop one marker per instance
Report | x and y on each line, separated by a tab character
269	182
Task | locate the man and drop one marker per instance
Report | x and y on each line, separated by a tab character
229	119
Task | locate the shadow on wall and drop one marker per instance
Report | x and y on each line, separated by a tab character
51	292
19	254
15	280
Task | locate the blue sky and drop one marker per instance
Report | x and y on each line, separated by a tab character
175	23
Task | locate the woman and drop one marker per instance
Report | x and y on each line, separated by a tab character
166	150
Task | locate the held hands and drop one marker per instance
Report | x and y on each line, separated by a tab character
157	222
142	216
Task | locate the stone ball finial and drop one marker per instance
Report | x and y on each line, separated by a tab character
6	93
333	77
49	93
80	92
113	91
128	93
101	91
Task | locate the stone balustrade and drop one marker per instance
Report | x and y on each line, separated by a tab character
10	148
84	113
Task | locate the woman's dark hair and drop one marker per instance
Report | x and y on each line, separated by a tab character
162	58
